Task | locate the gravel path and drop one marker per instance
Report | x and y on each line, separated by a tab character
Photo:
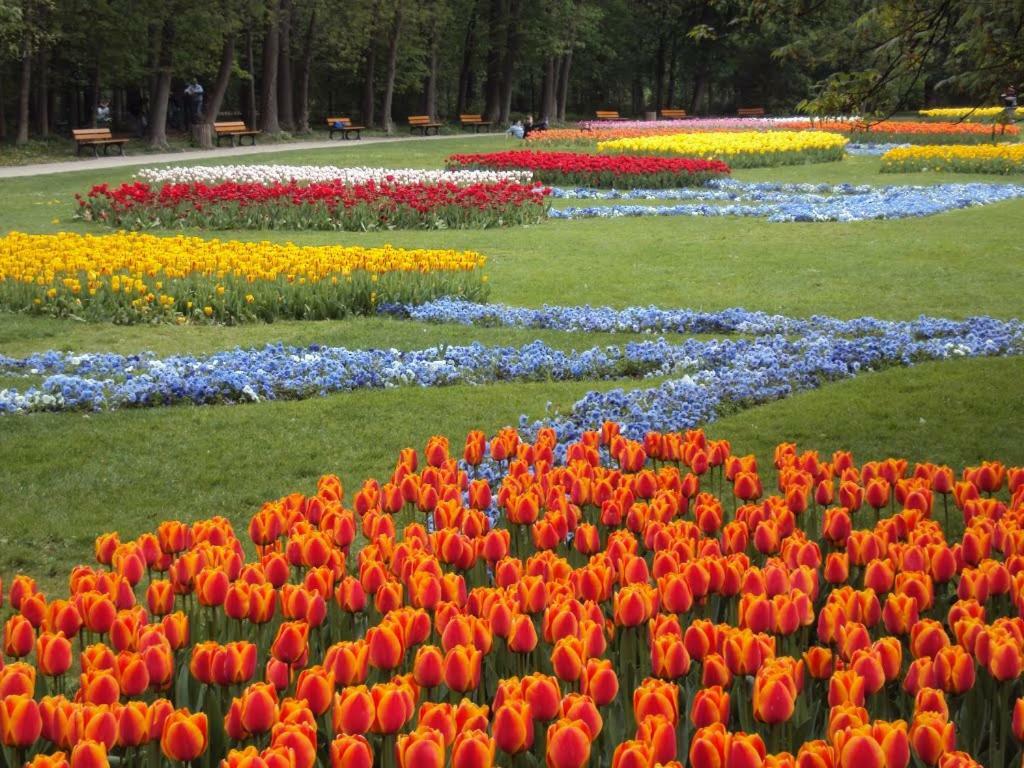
37	169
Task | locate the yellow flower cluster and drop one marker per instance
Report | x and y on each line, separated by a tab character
128	277
738	148
959	113
957	158
43	258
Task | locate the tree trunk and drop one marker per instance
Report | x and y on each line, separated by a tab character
670	89
94	94
700	86
370	74
249	86
202	132
3	113
389	86
269	122
285	83
369	89
659	75
511	52
430	82
162	91
492	87
302	108
43	94
466	68
549	91
563	84
24	90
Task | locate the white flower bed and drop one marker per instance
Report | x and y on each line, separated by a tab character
269	174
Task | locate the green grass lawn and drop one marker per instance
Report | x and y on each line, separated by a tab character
66	477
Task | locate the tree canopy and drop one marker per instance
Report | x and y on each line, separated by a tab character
282	65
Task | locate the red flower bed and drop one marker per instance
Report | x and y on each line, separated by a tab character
598	170
320	205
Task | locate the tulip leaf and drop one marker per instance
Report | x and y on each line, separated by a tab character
181	687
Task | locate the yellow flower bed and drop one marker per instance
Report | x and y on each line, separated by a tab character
740	149
959	113
130	277
978	158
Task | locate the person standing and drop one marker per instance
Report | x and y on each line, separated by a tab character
1009	97
194	94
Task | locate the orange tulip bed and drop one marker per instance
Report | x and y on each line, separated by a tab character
606	602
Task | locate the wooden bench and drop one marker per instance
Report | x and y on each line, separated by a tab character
673	114
608	114
95	138
750	112
234	129
343	125
476	121
423	124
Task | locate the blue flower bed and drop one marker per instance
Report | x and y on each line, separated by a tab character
790	202
871	150
786	355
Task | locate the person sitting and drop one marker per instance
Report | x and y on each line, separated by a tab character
516	130
528	126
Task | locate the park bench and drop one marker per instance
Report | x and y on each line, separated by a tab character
673	114
608	114
95	138
343	125
750	112
423	124
476	121
234	129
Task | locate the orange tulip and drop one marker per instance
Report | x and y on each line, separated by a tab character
20	721
669	658
709	746
861	750
53	654
473	749
774	698
89	754
1006	661
522	636
461	668
291	642
354	710
710	705
423	748
1017	723
19	637
428	666
513	727
567	659
632	754
393	706
543	695
315	686
656	697
600	681
56	760
348	662
185	736
931	734
568	744
351	752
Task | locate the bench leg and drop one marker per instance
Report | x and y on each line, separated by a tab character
95	151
